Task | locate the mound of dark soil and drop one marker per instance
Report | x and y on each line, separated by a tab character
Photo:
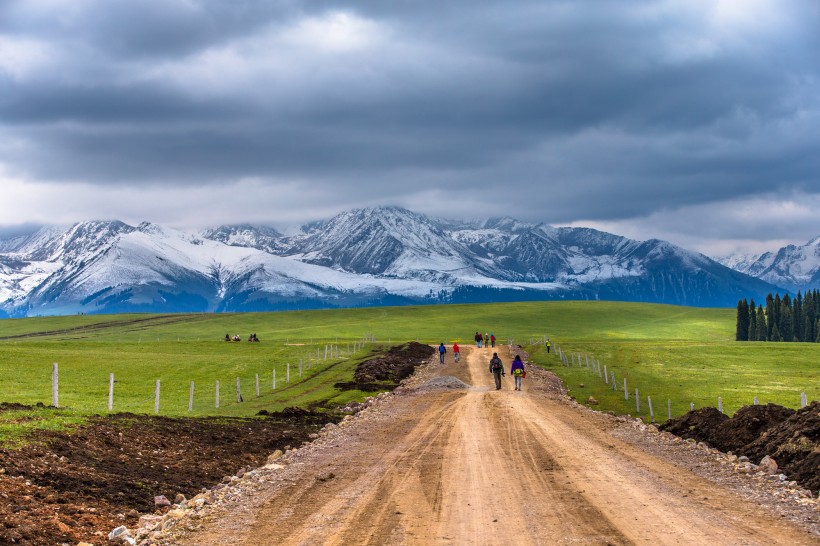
791	438
795	445
700	424
66	488
386	371
748	424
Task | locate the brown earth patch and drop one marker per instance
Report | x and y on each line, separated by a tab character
79	486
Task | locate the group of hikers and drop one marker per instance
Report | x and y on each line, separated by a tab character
488	340
236	337
516	370
496	365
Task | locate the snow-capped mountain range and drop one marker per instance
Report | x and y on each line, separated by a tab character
795	268
373	256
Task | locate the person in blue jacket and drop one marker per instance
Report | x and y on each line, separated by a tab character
441	352
517	371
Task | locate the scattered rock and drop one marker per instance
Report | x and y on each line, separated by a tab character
161	500
274	456
592	401
767	465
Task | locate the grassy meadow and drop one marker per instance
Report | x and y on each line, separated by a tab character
679	353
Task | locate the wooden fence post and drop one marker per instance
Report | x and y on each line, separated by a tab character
191	398
651	411
217	393
756	401
626	392
156	398
720	404
55	385
637	401
274	379
669	409
606	377
238	390
257	385
803	401
691	406
614	384
110	392
300	368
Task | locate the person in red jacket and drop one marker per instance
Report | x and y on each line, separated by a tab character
517	371
456	352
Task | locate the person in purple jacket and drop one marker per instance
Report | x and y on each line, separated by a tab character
517	371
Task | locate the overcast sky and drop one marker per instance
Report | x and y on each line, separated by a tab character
693	121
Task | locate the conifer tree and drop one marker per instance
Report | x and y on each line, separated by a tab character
786	320
742	329
797	317
752	335
778	303
770	317
809	317
762	331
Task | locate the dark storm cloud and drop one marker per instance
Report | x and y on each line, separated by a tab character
599	110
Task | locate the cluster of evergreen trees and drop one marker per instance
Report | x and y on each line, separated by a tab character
783	319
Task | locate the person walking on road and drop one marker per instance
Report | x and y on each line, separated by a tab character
497	369
486	341
478	339
548	344
442	350
456	352
518	372
492	340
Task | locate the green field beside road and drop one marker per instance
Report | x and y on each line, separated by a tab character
679	353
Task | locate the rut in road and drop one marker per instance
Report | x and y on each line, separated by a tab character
491	467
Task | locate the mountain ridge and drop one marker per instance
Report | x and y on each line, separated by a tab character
369	256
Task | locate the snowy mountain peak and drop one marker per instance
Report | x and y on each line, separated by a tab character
796	268
386	255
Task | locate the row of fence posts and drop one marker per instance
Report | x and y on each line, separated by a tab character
331	351
608	376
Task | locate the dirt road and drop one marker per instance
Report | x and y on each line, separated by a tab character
480	466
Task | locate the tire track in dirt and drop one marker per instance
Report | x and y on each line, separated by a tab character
363	491
143	323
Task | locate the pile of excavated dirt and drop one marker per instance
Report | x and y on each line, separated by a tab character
386	371
72	487
791	438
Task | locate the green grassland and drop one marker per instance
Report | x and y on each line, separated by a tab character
679	353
